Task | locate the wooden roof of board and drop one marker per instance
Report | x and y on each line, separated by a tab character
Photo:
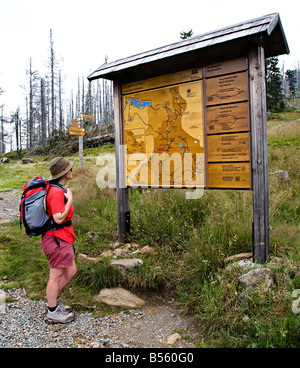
207	48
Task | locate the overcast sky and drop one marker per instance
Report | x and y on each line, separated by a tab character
87	30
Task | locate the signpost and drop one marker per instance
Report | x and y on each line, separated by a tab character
80	133
87	116
76	128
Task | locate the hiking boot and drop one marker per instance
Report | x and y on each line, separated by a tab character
59	316
62	306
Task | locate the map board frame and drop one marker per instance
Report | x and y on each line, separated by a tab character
255	39
258	152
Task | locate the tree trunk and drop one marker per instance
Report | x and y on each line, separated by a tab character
53	122
43	113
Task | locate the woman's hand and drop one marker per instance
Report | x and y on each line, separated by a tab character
59	217
69	195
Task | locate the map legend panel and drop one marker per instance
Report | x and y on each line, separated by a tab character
226	67
227	125
227	118
226	89
231	175
228	147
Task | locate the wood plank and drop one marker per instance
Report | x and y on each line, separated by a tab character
122	195
76	133
228	147
87	116
226	89
80	150
75	129
227	118
226	67
230	176
189	75
259	144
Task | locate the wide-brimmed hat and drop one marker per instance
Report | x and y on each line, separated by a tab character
59	166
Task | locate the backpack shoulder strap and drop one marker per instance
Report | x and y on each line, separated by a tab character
57	185
54	225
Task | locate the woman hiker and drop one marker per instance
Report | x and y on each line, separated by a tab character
58	242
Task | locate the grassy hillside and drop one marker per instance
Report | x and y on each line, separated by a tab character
191	238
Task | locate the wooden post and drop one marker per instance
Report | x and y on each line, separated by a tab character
122	192
81	146
81	151
259	143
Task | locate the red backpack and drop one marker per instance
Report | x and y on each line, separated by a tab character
33	207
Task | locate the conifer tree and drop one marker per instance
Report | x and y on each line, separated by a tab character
184	35
292	81
274	85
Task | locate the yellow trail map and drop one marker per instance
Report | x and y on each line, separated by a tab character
164	136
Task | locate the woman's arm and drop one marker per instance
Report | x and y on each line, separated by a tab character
59	217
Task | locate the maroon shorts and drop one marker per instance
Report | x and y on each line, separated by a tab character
61	256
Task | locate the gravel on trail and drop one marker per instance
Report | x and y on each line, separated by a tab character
23	321
23	325
9	205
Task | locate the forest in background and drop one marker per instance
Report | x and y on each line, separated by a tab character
48	108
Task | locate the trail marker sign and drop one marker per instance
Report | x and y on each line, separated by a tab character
76	128
87	116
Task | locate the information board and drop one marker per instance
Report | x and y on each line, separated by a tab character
189	129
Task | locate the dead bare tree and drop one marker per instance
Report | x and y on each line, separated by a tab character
52	62
43	113
32	76
3	133
60	107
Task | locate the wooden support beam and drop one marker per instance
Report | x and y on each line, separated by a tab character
259	142
122	192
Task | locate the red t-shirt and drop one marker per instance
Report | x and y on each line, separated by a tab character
56	204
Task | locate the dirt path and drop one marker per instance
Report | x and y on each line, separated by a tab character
23	324
9	205
23	320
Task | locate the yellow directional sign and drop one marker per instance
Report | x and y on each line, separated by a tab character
76	133
74	120
87	116
75	129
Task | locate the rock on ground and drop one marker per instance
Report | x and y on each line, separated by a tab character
126	263
119	297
